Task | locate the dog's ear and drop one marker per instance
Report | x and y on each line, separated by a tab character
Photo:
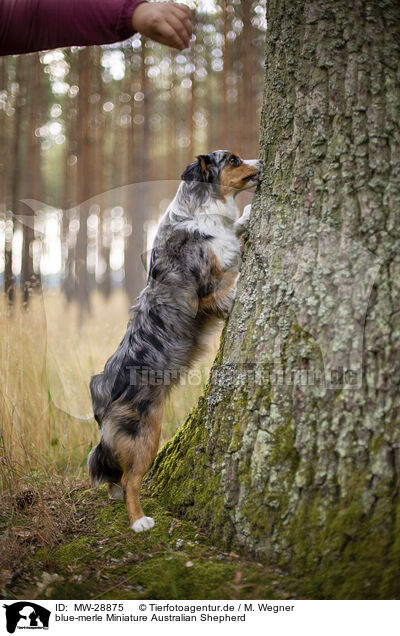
198	170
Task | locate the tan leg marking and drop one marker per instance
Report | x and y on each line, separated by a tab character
222	282
136	456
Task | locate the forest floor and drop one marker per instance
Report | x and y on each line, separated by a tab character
96	556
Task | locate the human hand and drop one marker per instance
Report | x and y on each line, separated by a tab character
165	22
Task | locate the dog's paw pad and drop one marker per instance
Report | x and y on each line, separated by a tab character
144	523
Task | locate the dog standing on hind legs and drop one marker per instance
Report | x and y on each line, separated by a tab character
191	284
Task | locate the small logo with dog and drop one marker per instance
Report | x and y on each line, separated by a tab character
26	615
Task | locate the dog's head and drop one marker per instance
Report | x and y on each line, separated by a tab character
223	173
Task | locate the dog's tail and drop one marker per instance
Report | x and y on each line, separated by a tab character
103	467
100	396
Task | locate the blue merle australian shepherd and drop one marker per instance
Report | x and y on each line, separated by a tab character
191	284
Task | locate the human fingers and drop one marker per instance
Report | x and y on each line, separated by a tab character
184	15
182	8
180	28
167	35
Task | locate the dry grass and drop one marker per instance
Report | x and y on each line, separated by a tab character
46	424
35	516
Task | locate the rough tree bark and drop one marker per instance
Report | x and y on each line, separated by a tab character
293	453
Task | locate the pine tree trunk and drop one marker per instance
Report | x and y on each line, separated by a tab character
4	140
294	451
83	182
29	279
69	188
15	173
248	121
135	197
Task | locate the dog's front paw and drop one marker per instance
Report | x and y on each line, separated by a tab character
240	226
142	524
246	212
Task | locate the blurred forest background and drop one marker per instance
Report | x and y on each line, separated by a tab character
76	125
93	141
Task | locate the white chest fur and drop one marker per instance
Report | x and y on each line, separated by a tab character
226	248
217	220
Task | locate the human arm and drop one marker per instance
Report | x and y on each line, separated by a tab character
34	25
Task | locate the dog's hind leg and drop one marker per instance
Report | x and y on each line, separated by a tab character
137	453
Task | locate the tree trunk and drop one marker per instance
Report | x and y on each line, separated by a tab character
83	182
29	279
4	140
69	187
294	451
246	64
136	205
99	151
16	176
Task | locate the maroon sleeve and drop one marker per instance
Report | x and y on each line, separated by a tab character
34	25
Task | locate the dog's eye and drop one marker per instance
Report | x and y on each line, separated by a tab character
234	161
